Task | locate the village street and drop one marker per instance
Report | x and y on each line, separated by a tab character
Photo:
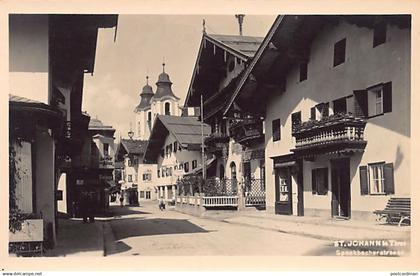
147	231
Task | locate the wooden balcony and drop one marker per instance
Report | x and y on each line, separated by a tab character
216	143
338	133
247	131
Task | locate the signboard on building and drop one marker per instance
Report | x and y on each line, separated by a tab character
106	162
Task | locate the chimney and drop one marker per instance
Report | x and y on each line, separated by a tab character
240	18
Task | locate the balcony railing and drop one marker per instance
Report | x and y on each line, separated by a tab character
335	133
216	143
247	131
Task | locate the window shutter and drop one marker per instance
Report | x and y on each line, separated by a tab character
313	113
364	187
360	103
389	178
314	182
387	94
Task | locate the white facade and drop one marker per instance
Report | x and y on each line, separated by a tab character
387	134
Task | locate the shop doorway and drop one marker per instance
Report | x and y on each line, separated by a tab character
283	190
340	184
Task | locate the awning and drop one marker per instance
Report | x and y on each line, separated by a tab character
199	169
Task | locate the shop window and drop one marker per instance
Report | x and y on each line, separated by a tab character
379	34
167	109
194	164
303	71
320	181
296	119
377	179
339	52
276	128
186	167
340	106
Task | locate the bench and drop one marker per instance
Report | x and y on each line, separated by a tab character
398	209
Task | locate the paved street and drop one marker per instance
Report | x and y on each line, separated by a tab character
147	231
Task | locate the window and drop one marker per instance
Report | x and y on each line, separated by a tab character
147	194
147	177
296	119
340	106
162	153
320	181
320	111
339	52
221	171
170	171
175	146
129	162
138	129
129	178
303	71
194	164
149	119
379	34
167	109
373	101
377	179
170	149
181	167
158	173
276	128
233	170
106	149
141	194
186	166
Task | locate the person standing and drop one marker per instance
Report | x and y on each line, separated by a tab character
122	199
161	204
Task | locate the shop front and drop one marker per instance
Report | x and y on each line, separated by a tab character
288	185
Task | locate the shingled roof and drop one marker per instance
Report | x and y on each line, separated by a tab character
186	130
134	146
247	45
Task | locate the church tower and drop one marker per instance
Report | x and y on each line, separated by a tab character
164	102
143	113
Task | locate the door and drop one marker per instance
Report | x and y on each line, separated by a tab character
340	181
247	176
283	190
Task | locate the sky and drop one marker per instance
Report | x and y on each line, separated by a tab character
142	43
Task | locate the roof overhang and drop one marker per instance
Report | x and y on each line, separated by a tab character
288	42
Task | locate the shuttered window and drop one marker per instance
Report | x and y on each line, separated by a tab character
339	52
377	179
276	128
373	101
313	113
320	181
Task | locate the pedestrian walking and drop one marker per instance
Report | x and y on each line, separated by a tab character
121	199
161	204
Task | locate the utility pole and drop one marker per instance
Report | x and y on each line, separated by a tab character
203	156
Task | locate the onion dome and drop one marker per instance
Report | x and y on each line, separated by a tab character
145	97
164	85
